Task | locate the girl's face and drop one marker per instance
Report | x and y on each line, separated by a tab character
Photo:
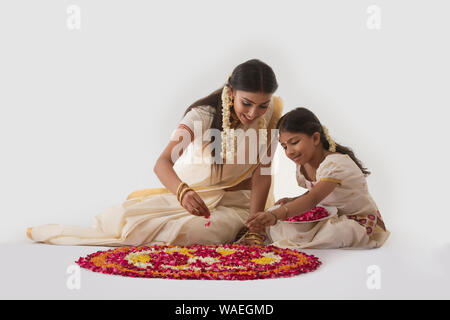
299	147
249	106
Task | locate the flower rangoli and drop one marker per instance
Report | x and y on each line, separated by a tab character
208	262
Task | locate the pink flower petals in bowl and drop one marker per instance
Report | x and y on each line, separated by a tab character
293	229
318	213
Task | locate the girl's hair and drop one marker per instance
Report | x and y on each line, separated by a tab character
304	121
250	76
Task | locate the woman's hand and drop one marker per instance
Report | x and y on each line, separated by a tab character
284	201
256	228
261	219
194	204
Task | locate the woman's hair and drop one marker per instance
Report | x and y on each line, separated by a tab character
304	121
250	76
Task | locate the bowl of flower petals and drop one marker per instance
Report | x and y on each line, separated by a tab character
307	220
317	214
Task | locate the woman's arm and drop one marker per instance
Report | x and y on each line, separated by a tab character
244	185
164	164
258	196
260	191
168	177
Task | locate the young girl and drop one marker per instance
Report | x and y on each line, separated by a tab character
334	177
225	193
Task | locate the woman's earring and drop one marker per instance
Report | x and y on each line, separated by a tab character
235	117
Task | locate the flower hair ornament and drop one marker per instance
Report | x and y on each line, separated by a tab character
227	131
228	136
331	142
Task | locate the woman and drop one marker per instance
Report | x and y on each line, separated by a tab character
198	183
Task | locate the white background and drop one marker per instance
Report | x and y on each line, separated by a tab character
85	113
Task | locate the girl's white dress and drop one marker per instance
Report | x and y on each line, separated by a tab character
154	216
358	224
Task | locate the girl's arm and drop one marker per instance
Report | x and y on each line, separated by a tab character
309	200
288	199
300	205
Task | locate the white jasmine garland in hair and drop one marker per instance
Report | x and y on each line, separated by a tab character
263	125
230	145
227	132
331	142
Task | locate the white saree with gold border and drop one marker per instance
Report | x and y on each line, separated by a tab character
154	216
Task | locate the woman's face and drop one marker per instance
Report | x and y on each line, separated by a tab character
249	106
299	147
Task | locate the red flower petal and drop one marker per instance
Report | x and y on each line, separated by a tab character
312	215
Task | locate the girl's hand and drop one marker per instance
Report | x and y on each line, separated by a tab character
284	201
194	204
261	219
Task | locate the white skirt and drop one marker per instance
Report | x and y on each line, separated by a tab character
156	219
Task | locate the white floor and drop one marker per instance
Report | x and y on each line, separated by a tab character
38	271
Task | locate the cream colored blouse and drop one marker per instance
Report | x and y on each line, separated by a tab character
351	195
198	154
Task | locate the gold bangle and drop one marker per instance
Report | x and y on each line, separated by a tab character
180	188
257	237
182	194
